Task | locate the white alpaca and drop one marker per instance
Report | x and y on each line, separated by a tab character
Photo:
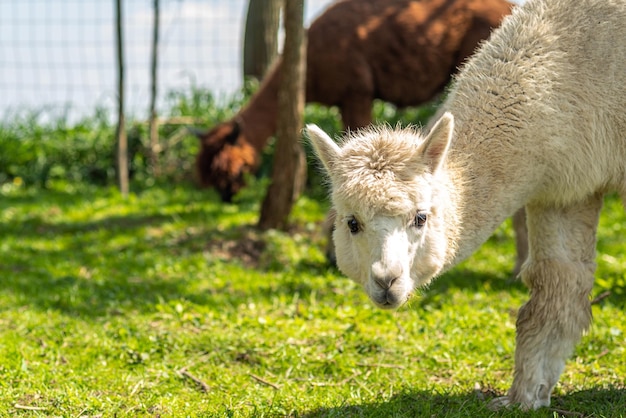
537	118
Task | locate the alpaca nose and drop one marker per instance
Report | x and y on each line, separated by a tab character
384	282
385	276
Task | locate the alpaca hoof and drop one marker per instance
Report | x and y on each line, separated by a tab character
515	274
504	402
499	403
513	278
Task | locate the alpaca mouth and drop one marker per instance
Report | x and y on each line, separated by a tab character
388	299
389	302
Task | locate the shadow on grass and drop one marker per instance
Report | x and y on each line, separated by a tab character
609	402
72	270
466	279
463	278
79	287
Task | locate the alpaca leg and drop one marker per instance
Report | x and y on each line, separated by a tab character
559	274
356	112
521	240
328	227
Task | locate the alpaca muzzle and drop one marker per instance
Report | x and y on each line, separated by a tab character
385	286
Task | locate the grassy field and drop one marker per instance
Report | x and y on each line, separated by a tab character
171	304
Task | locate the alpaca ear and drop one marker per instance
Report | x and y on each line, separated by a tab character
325	148
435	146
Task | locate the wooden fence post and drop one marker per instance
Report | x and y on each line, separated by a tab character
122	140
153	126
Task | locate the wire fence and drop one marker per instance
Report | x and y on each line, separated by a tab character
58	56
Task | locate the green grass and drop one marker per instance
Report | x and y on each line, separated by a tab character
112	307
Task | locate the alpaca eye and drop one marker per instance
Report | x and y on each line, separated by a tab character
353	226
420	219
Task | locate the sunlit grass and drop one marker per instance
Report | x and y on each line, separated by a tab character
170	303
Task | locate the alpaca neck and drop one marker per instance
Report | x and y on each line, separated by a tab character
483	191
494	164
258	118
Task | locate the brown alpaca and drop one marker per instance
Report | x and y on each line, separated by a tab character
400	51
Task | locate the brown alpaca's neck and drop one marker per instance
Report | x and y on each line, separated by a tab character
258	118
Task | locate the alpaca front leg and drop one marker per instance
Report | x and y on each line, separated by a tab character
548	327
521	240
560	275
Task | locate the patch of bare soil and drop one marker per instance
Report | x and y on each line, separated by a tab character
248	244
247	249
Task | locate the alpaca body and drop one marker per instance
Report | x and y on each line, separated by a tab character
543	103
536	119
401	51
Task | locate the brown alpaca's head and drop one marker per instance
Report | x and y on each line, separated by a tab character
225	157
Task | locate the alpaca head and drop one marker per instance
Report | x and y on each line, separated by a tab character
225	157
389	230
